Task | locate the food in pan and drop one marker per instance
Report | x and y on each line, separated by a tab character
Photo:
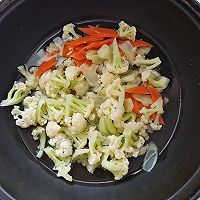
93	97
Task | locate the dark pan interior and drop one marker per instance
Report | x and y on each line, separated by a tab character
174	30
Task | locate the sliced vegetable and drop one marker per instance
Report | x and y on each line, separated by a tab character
138	90
128	51
140	43
80	62
144	99
84	40
137	106
66	50
153	117
78	55
104	32
45	66
88	31
154	93
104	52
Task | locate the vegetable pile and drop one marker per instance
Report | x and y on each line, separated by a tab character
91	99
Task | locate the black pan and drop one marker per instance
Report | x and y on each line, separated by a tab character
174	28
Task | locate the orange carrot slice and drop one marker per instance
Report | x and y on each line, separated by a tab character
138	90
137	106
153	117
84	40
80	62
45	66
154	93
78	56
140	43
105	32
88	31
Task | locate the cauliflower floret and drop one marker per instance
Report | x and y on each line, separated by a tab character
69	32
78	123
25	118
114	89
52	47
134	126
16	94
30	101
127	31
119	168
68	62
140	142
155	126
107	78
81	87
71	72
52	129
31	80
53	83
111	109
118	70
148	63
94	147
63	145
146	74
39	132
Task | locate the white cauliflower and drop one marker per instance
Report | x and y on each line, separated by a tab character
52	129
146	74
31	80
110	108
107	78
71	72
119	64
68	62
114	89
81	87
134	126
123	67
52	47
39	133
127	31
62	145
24	118
69	32
94	148
30	101
53	83
78	123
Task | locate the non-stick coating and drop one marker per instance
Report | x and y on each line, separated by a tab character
25	23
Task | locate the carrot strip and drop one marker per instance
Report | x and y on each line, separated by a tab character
88	31
137	106
138	90
78	56
66	50
99	44
84	40
45	66
79	47
80	62
140	43
128	95
105	32
154	93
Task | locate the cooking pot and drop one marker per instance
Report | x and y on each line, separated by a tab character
174	29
